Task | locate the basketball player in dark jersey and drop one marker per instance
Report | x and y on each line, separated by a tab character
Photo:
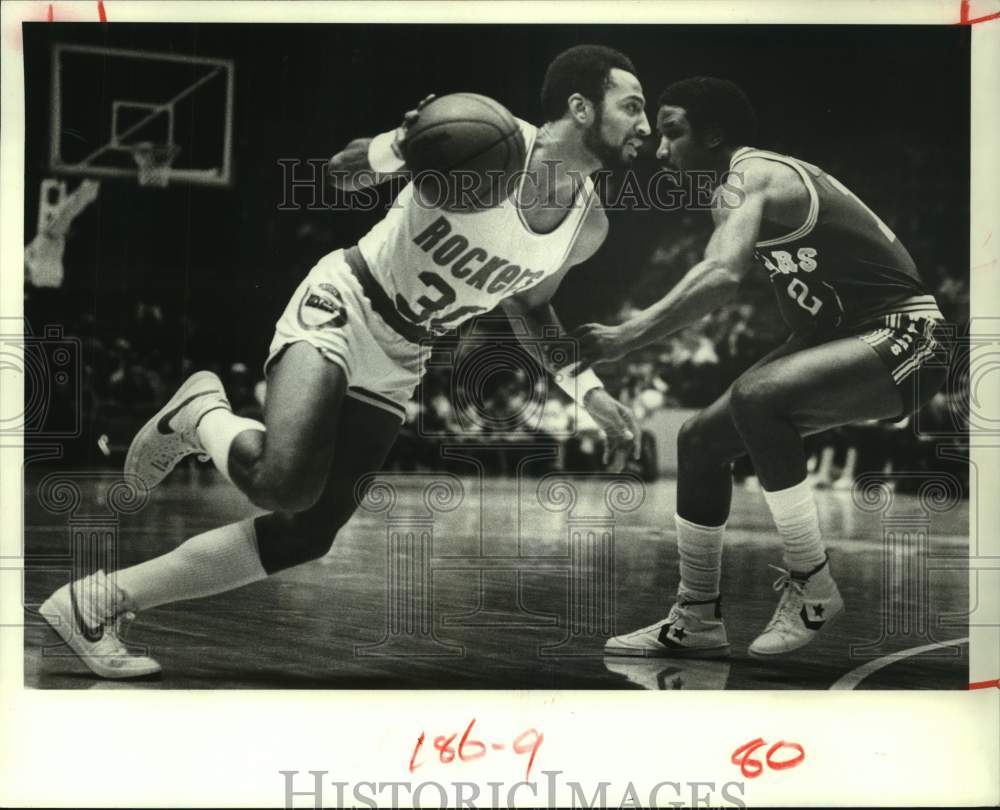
863	347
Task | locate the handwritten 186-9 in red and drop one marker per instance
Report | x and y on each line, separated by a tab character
469	749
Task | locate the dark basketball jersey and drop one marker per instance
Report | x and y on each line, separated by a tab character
843	266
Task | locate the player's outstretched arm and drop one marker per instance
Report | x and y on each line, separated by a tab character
532	317
707	286
536	324
366	162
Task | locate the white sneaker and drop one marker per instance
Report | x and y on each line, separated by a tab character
809	602
172	433
691	630
99	647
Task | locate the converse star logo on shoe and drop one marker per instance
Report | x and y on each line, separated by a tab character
665	638
669	678
812	624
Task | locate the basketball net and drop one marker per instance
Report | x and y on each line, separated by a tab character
153	162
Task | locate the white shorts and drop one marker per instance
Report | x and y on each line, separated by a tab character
330	311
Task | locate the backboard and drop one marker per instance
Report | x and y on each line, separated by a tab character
112	107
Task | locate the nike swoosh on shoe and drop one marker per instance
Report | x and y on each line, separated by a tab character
163	424
94	635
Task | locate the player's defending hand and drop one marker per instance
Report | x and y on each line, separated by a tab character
621	433
596	342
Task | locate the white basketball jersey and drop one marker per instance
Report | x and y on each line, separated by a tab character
440	269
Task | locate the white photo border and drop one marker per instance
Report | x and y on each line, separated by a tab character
226	748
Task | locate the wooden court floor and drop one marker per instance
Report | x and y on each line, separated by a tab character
456	582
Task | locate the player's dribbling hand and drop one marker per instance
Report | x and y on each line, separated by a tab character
621	433
409	119
596	342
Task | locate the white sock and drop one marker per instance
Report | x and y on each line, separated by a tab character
700	549
795	515
217	430
209	563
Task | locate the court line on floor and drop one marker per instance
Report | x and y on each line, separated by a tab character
856	676
758	536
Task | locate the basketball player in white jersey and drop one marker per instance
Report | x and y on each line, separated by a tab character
346	355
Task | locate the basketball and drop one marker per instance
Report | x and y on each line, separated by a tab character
463	149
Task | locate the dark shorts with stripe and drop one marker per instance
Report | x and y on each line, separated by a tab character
915	350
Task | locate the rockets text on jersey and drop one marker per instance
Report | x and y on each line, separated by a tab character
440	268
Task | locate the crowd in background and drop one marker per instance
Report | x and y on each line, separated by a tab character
137	347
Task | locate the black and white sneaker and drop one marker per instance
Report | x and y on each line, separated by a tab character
172	433
809	602
70	611
691	630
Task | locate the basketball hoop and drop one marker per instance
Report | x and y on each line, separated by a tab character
154	161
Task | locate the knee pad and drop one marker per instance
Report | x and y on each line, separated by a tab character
284	540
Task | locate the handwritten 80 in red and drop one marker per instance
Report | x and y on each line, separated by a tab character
752	768
469	749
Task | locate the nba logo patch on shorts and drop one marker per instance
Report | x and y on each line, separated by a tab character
322	305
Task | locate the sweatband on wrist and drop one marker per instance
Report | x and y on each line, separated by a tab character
381	156
577	387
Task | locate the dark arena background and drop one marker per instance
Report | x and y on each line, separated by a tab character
532	556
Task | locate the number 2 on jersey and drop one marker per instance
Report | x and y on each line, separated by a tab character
799	292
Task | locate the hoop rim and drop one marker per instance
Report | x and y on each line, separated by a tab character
153	161
159	152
